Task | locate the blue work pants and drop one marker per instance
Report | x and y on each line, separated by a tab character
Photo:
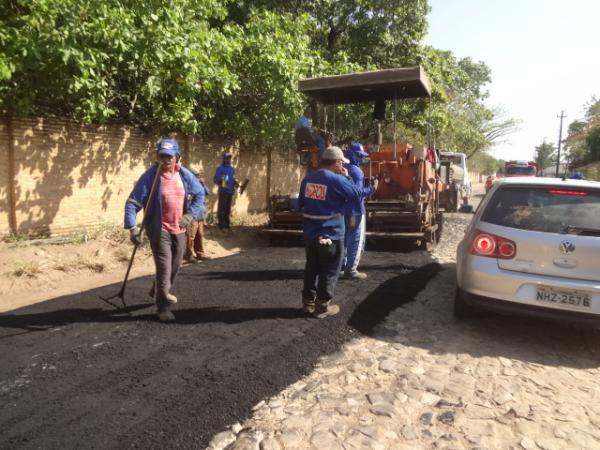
224	209
354	241
323	263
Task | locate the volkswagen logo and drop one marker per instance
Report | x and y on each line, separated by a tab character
567	247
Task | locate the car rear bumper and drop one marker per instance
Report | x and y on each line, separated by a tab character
481	278
508	307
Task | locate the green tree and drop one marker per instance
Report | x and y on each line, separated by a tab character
592	141
459	115
271	53
230	67
581	143
372	33
545	155
98	60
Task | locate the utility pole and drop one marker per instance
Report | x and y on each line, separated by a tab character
562	116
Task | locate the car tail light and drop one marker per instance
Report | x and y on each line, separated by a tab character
492	246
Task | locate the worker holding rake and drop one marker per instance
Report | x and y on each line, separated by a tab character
171	197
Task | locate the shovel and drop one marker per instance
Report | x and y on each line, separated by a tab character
121	293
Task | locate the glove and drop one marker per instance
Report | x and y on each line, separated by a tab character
135	235
375	183
186	221
325	241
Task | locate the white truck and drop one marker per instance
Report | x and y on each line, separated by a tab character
457	183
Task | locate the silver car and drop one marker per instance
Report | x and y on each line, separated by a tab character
533	247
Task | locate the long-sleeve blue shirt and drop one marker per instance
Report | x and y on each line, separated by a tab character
225	178
357	208
138	199
323	195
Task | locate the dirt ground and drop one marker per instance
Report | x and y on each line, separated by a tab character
38	270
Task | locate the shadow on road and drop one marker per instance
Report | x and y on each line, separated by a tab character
250	275
390	295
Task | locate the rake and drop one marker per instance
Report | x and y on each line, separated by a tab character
121	293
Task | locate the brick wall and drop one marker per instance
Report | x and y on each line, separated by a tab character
4	176
70	177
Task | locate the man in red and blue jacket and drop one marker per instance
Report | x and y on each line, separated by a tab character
177	199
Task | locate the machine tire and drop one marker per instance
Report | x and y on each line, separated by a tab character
454	199
439	219
462	310
429	243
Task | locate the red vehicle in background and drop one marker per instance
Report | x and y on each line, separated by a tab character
516	168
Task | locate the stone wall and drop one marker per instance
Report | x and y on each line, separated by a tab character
59	177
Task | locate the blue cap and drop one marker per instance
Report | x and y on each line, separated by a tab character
168	147
357	149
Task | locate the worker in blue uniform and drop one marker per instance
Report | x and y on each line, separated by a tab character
354	213
305	123
323	195
225	179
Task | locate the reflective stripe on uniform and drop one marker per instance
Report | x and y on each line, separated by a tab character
310	216
135	202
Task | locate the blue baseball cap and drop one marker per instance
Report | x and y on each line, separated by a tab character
357	149
168	147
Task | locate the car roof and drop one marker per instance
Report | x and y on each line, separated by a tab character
542	181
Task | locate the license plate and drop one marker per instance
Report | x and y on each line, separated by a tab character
565	298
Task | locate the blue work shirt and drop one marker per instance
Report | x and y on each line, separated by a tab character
138	199
357	208
303	122
226	173
323	195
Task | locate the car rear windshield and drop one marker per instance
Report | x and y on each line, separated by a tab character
551	209
524	170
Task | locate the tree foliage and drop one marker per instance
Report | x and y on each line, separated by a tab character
230	67
583	140
464	123
545	155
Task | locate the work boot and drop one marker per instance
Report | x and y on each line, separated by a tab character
355	275
171	299
308	305
165	315
323	310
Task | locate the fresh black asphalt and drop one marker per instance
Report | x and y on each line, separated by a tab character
77	374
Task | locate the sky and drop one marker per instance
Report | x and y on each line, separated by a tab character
544	56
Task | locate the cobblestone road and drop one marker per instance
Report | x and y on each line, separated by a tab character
423	380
